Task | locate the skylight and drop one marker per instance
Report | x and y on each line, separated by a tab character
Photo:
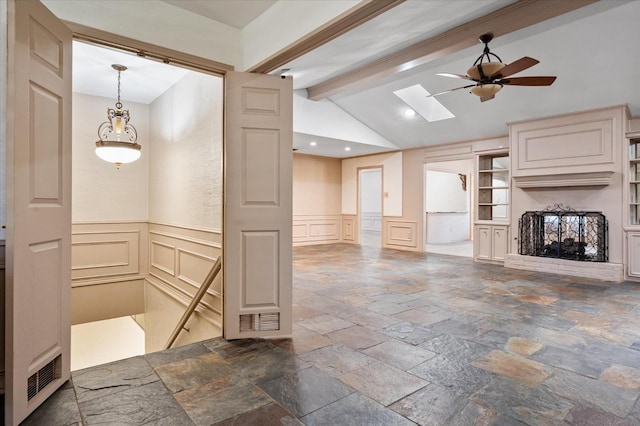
429	108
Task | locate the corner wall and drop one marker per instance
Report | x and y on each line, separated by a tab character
185	209
317	185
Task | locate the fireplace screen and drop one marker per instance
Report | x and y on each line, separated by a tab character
564	233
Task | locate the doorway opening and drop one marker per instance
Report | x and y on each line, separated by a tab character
144	236
448	206
370	206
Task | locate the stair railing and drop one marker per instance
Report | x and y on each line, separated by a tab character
213	273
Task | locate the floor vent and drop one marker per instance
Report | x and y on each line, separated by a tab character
40	379
260	322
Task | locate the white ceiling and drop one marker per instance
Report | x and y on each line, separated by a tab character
236	13
591	50
143	81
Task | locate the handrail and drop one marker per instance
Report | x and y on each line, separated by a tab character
195	301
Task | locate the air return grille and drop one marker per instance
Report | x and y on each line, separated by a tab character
260	322
41	378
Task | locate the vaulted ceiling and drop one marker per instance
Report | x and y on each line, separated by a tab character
591	50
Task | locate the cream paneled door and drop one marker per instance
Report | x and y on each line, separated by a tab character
257	208
38	268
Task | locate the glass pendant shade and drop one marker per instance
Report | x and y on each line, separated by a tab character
486	90
118	137
488	69
118	152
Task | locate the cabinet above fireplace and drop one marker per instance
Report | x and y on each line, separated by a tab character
581	149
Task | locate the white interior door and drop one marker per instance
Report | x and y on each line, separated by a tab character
257	205
38	268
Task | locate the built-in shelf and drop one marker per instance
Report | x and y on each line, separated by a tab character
634	181
493	187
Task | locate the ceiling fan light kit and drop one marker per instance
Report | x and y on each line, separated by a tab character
486	90
476	72
489	76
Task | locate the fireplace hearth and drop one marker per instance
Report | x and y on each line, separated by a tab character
563	233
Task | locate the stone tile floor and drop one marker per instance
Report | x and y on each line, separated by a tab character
383	337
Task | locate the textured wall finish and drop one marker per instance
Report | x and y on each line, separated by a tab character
185	171
100	192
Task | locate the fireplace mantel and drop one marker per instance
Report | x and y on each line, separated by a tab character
564	180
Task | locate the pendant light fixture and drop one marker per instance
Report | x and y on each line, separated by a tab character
117	142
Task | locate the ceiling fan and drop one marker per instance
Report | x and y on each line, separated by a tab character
489	77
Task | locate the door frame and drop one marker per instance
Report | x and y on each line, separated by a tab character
470	188
359	207
109	40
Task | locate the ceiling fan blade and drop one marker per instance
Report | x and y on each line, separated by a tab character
450	90
487	98
516	66
448	74
528	81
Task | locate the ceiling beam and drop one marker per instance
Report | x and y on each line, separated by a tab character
357	15
513	17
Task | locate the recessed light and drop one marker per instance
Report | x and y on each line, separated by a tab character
409	112
347	149
313	143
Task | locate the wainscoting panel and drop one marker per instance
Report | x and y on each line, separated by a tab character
104	253
108	265
164	306
163	257
371	221
400	233
349	228
181	258
310	230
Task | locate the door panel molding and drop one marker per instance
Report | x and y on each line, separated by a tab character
38	167
257	249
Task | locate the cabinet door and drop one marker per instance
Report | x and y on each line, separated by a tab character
483	242
499	242
633	251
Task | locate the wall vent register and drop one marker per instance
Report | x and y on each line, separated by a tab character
260	322
43	377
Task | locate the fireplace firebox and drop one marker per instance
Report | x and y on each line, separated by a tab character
561	232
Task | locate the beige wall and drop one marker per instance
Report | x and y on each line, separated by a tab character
392	181
185	171
404	231
317	185
100	192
